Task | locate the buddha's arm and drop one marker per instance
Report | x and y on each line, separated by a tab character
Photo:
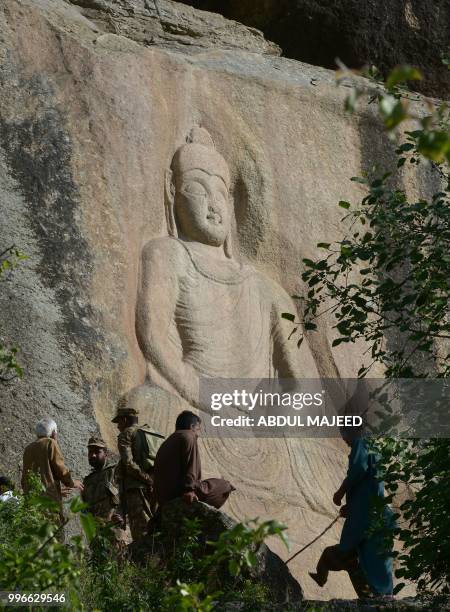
161	270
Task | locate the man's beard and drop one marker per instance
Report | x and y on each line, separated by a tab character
97	464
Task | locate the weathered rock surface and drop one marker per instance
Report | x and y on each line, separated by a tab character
167	23
379	32
90	119
270	570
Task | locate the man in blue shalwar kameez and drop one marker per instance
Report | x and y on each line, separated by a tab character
361	554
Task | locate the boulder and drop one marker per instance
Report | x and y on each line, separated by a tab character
269	570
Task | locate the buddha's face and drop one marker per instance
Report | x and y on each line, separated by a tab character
202	207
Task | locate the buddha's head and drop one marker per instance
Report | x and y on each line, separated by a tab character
197	196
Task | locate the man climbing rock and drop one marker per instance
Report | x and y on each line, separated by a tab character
101	490
137	447
178	469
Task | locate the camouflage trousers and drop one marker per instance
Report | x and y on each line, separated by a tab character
140	509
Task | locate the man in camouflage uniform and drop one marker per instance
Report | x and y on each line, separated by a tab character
101	490
135	468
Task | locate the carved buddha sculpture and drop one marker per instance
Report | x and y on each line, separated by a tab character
200	312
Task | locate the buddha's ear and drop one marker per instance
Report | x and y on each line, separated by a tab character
227	247
169	203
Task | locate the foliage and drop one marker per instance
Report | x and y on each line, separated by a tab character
387	279
183	574
9	366
119	585
404	258
184	563
186	597
192	576
423	527
387	283
236	548
33	556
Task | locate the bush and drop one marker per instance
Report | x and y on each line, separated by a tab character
194	576
33	556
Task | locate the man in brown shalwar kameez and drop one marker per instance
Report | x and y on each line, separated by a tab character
44	457
178	471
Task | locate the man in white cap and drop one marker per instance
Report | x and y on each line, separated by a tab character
44	458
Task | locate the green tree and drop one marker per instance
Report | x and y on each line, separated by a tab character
387	282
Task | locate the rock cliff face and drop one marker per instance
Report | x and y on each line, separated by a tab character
170	24
379	32
96	96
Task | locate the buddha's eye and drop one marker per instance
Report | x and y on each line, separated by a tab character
194	188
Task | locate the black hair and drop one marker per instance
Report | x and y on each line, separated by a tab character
6	482
186	419
131	419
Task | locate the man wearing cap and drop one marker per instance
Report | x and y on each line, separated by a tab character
101	491
136	480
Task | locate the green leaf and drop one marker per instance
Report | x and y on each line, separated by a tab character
351	99
45	502
434	145
322	265
250	558
408	146
77	505
310	326
309	262
414	133
345	251
344	204
400	74
323	245
233	567
89	526
398	588
288	316
392	111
